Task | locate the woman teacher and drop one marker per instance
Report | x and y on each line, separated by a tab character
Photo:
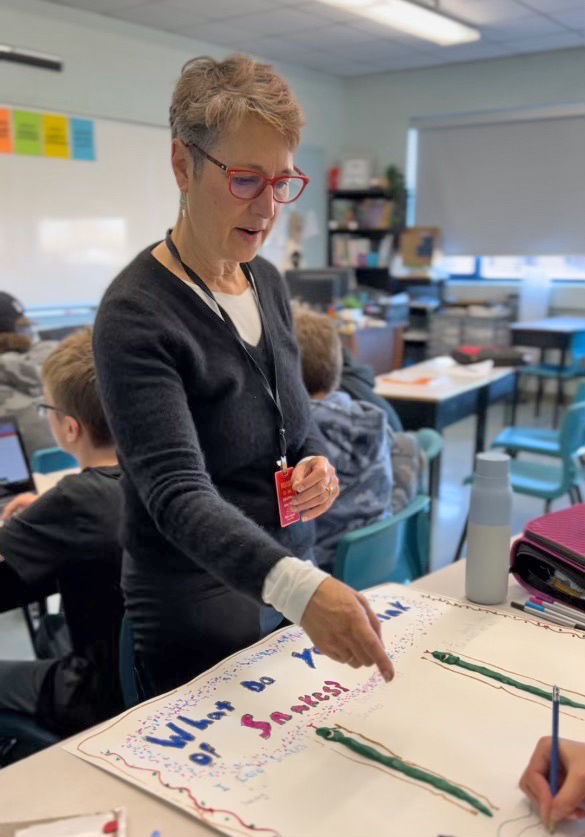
200	376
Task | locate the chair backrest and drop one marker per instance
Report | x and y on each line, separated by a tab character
579	395
28	736
52	459
396	549
128	664
572	438
578	347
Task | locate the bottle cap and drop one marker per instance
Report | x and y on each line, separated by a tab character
493	465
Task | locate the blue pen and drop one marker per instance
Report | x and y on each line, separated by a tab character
156	834
554	762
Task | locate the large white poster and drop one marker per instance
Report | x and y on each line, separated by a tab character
280	740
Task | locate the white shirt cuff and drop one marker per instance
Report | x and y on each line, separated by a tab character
289	586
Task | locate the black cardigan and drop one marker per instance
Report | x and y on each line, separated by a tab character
195	429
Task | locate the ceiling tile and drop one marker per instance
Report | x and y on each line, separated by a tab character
375	49
478	12
218	9
215	32
333	37
352	68
551	7
277	49
405	62
159	16
572	18
552	42
469	52
532	26
280	21
379	30
328	12
102	6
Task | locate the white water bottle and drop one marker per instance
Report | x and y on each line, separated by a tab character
489	530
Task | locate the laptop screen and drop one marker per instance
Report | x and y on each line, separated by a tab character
15	475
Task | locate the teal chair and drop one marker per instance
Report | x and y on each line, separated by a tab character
431	444
547	481
542	440
396	549
47	460
558	372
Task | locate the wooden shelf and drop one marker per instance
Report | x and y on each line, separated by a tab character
360	231
359	194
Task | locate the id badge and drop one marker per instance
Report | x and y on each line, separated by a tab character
284	496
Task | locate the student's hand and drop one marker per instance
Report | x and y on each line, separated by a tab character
315	481
19	504
569	803
341	624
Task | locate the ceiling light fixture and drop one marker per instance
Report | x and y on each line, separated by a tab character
417	20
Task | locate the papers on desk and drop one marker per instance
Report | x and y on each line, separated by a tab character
438	371
90	825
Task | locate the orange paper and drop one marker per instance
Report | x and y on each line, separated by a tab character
6	144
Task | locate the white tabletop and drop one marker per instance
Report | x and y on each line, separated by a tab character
447	379
55	783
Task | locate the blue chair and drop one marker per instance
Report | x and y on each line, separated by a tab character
559	372
542	440
127	665
546	481
47	460
22	737
396	549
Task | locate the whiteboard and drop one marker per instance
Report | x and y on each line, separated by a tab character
68	226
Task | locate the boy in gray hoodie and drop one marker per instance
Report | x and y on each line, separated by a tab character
379	470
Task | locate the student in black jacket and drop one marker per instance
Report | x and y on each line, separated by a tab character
199	372
68	538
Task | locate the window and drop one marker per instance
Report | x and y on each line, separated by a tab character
517	267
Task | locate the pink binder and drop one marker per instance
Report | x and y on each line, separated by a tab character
549	558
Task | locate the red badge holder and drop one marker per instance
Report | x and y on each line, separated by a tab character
285	494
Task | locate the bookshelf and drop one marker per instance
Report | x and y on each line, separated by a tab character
360	232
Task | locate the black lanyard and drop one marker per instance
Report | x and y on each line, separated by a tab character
273	393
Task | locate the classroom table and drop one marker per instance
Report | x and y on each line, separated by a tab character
55	783
449	399
549	333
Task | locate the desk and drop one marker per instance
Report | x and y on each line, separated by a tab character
55	783
449	400
550	333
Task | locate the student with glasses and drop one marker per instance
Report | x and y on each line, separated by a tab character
199	371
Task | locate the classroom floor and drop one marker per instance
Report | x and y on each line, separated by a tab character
449	511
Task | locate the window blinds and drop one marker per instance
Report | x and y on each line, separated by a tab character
504	186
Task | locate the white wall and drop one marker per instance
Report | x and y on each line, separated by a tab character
118	70
387	102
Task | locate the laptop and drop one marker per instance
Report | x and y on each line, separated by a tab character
15	472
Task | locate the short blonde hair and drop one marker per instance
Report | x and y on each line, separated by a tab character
70	376
211	96
321	355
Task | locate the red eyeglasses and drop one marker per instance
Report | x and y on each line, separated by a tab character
247	185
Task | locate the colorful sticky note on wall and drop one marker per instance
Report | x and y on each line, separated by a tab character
83	139
56	135
28	133
6	145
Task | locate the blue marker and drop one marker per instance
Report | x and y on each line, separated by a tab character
554	763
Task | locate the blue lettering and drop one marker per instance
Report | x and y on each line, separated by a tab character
179	740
